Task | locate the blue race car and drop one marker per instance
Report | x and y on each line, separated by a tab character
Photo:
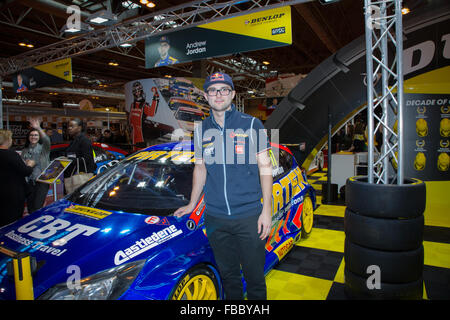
115	236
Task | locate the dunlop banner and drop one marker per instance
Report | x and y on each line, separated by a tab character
43	75
255	31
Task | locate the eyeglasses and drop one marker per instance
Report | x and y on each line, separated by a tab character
223	92
34	135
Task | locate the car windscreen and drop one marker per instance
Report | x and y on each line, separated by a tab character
188	116
139	186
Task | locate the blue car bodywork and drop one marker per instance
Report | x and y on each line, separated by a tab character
142	253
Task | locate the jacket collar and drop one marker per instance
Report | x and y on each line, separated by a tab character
228	115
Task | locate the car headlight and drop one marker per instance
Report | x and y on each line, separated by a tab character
106	285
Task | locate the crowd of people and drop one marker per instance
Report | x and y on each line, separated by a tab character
19	173
350	138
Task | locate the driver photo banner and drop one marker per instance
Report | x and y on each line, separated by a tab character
255	31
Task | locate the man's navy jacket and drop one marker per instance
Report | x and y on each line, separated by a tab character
232	187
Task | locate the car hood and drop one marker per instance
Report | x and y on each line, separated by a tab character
65	234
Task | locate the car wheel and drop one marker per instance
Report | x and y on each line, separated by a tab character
307	218
199	283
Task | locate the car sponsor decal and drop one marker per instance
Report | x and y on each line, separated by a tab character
142	245
284	248
174	156
197	213
89	212
157	220
48	233
286	188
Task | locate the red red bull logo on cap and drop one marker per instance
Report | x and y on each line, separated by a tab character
217	77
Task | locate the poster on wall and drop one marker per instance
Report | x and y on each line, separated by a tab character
164	107
43	75
255	31
427	136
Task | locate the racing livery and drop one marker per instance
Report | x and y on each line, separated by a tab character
115	237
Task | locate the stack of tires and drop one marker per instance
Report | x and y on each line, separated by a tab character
384	234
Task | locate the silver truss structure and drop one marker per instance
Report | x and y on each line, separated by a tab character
385	103
165	21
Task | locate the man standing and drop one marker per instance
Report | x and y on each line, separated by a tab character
234	170
163	49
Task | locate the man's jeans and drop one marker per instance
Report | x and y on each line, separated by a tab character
236	243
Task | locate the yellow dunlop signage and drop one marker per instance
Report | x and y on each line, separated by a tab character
93	213
248	32
61	69
274	24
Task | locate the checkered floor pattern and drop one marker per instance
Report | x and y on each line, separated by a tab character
314	268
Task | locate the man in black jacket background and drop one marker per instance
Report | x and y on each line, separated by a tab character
80	147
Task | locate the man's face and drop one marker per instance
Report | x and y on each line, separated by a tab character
163	49
73	128
219	101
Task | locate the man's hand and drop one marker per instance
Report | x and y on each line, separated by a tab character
184	210
264	224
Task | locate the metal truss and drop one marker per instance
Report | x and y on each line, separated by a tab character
176	18
383	30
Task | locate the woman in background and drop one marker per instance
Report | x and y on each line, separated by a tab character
12	176
37	148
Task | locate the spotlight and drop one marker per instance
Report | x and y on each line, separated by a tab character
102	17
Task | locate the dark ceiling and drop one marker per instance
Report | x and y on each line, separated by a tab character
318	31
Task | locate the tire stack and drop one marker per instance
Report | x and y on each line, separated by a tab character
383	252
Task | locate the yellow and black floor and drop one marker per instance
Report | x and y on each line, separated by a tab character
314	269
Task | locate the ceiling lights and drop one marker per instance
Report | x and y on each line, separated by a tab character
26	43
102	17
148	4
405	11
113	63
126	45
83	27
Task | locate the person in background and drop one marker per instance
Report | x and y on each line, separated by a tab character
358	144
346	142
107	137
54	135
13	171
80	148
37	148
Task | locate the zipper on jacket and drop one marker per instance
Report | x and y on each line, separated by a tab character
224	169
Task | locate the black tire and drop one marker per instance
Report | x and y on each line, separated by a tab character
356	288
201	273
395	267
384	234
386	200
